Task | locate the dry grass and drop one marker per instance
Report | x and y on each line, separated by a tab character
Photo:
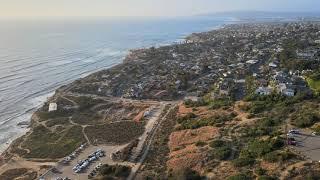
116	133
182	138
21	174
189	157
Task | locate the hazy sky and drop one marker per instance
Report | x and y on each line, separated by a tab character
40	8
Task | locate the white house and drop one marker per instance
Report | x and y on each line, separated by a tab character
285	89
288	92
53	107
192	98
251	61
273	65
264	91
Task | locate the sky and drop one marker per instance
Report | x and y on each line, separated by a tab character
101	8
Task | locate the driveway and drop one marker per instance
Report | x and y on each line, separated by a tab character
308	145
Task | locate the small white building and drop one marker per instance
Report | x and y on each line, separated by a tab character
53	107
285	89
252	62
264	91
288	92
273	65
192	98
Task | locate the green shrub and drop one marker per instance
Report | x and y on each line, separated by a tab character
259	171
243	161
271	157
186	117
201	143
259	148
306	116
187	174
220	103
240	177
266	178
114	170
306	119
57	121
217	143
278	156
277	143
190	122
222	153
200	102
60	113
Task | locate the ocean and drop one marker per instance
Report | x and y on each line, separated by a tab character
38	56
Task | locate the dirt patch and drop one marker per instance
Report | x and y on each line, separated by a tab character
203	111
179	139
200	111
270	167
189	157
139	117
222	171
184	154
183	110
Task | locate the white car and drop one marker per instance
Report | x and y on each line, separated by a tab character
294	131
315	133
93	158
290	135
98	166
76	167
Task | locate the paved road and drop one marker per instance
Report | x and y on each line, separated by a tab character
308	145
137	166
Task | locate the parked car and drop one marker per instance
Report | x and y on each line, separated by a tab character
315	133
294	131
290	142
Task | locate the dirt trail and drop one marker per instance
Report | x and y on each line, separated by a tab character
17	162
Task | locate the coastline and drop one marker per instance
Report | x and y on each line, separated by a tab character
25	127
45	98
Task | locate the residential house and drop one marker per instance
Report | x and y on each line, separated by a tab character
286	89
263	90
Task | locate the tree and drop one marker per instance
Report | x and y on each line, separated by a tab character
250	85
187	174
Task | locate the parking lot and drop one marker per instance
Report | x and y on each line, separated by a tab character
67	170
308	145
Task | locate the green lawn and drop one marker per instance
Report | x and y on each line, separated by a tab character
314	84
43	143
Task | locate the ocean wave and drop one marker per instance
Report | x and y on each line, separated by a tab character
39	100
11	78
110	52
59	63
